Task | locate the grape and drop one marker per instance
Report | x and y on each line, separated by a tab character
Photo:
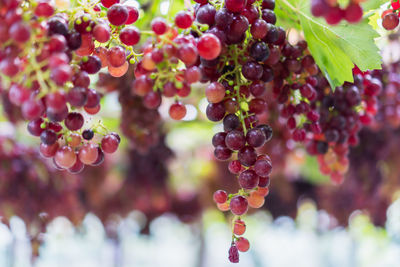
192	74
65	157
183	20
74	121
177	111
220	196
133	15
235	140
88	153
117	14
233	254
159	26
18	94
100	157
209	46
390	21
252	71
77	96
74	40
223	19
77	167
247	156
259	29
188	54
231	122
142	85
319	8
61	74
238	205
81	79
56	100
34	127
248	179
157	56
48	151
32	109
206	14
57	43
334	16
215	92
44	9
91	64
219	139
74	140
353	13
215	111
235	5
129	35
109	143
93	99
235	167
239	227
109	3
222	153
20	32
88	134
152	100
255	137
255	200
118	71
116	56
48	137
57	115
102	33
268	16
242	244
239	26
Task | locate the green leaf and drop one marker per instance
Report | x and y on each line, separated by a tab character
335	48
372	4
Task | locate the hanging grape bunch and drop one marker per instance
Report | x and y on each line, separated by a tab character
333	13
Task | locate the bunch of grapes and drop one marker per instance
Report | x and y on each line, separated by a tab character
390	17
160	71
333	13
45	62
33	191
388	101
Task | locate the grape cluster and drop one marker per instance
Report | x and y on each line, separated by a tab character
390	17
333	13
33	191
160	73
236	47
45	63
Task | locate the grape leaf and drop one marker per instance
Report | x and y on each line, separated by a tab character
335	48
372	4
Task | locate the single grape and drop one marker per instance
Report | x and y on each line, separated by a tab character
74	121
117	14
48	137
220	196
109	143
88	153
238	205
242	244
248	179
177	111
65	157
215	92
88	134
247	156
48	151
